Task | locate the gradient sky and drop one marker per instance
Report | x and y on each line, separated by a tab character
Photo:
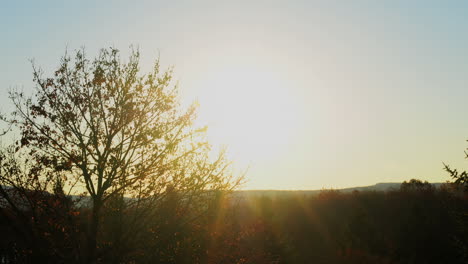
309	94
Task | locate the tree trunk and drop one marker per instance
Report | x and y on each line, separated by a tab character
93	230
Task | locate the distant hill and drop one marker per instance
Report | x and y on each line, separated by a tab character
384	186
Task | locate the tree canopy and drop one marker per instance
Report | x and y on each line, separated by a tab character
101	128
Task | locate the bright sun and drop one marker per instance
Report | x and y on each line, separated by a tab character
250	111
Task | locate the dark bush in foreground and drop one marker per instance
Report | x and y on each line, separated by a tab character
409	225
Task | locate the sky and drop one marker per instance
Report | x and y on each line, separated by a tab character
305	94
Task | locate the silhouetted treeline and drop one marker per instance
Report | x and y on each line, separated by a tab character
416	223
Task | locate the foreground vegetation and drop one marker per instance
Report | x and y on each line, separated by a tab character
414	224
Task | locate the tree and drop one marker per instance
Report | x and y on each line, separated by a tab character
114	132
417	185
460	178
461	181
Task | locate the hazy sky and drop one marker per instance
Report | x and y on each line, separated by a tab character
310	94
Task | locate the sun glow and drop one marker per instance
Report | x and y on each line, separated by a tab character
250	110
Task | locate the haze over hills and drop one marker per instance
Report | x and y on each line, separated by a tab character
383	186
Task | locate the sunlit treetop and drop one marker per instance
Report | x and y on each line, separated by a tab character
115	130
